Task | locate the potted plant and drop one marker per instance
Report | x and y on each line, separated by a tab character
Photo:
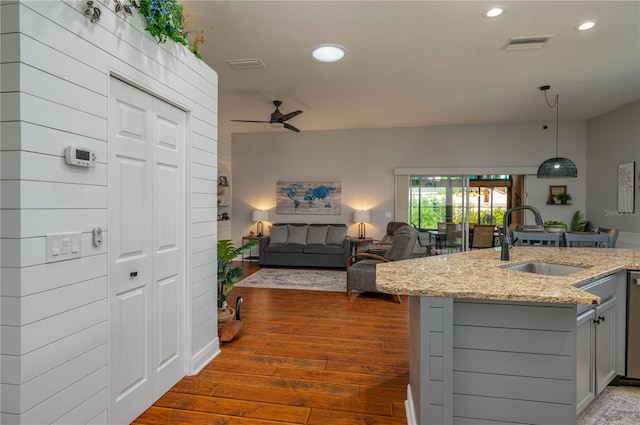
228	275
564	198
555	226
579	222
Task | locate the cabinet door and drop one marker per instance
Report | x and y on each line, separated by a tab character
605	343
585	360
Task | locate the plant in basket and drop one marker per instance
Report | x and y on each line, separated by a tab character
228	275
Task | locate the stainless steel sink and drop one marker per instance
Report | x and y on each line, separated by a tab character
549	269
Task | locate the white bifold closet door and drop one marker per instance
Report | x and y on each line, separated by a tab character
146	232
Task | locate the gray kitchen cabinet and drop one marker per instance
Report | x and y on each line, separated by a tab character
605	343
585	360
596	342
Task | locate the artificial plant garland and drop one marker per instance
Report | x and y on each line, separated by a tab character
164	19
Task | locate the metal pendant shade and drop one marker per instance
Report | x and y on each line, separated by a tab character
556	167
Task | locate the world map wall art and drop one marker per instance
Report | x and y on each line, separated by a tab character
299	197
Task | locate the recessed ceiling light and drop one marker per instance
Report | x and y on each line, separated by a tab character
328	53
585	26
494	12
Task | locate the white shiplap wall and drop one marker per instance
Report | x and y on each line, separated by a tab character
55	67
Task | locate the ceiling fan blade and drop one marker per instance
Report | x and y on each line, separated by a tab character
290	115
290	127
250	121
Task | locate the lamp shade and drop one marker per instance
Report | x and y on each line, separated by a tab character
557	168
260	215
362	216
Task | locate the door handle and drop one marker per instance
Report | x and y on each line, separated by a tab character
133	274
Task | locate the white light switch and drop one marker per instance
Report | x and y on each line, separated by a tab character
63	246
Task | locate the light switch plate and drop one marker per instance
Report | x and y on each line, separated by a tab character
63	246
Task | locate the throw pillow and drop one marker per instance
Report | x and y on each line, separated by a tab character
297	234
317	235
278	234
335	235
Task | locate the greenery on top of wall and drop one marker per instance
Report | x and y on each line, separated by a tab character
164	20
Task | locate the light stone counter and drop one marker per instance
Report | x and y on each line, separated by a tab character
481	275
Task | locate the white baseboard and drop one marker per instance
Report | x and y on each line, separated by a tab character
628	240
409	409
204	356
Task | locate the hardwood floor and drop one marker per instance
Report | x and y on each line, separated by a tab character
305	357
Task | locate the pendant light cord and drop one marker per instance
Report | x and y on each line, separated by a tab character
557	106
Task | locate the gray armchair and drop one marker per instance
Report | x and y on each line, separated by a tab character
361	275
383	245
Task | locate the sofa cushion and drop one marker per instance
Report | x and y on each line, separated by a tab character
317	235
285	248
336	235
297	234
278	234
324	249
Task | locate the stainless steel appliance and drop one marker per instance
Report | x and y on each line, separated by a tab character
633	326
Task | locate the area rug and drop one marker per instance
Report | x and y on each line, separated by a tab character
313	280
611	408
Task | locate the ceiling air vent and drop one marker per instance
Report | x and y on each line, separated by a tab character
520	43
246	63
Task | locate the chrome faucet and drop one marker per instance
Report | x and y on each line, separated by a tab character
504	254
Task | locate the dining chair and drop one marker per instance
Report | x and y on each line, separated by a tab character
424	240
454	237
536	238
482	236
585	240
613	232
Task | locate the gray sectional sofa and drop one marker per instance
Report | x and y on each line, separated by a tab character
306	245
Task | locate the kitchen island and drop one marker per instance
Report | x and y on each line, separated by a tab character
489	344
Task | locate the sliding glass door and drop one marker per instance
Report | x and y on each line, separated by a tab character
445	209
439	209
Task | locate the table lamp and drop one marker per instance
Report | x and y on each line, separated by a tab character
361	217
260	216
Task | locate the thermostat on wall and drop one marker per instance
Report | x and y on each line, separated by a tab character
80	156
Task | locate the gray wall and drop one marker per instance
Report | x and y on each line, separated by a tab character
364	161
612	138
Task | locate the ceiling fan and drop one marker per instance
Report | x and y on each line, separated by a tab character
278	119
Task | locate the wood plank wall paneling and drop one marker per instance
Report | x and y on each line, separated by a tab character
55	76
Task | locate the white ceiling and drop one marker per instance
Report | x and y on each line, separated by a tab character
418	63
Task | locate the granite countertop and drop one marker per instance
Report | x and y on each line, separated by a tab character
480	274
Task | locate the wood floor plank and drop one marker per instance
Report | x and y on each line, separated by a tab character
225	406
193	386
344	390
397	371
305	357
257	359
325	417
260	337
399	410
188	417
343	377
306	399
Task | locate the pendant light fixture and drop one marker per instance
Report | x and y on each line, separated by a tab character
556	167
